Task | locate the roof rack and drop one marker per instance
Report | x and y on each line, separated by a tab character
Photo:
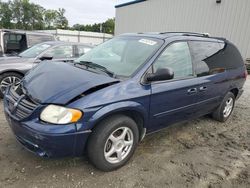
197	34
188	33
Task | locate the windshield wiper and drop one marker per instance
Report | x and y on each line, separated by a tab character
95	66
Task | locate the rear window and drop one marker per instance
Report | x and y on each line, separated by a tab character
214	57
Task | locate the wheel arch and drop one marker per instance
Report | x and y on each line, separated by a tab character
137	112
235	91
12	71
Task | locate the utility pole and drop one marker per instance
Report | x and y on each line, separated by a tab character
102	31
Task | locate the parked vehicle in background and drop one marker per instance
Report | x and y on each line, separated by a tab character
248	66
92	38
12	42
12	69
129	86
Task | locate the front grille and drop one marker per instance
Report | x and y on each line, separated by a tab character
18	103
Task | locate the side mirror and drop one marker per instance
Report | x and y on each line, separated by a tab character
160	75
46	57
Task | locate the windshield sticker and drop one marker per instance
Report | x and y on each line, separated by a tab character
148	42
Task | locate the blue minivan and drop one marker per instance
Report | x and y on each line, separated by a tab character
105	102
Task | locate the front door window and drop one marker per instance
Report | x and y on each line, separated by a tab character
177	57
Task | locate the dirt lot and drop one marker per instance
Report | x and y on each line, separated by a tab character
200	153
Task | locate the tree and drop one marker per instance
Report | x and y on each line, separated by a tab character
61	20
50	18
96	27
37	18
105	27
5	15
109	26
27	15
21	14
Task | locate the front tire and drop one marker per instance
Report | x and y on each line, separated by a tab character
113	142
223	112
7	79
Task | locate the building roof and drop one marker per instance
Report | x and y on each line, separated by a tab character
129	3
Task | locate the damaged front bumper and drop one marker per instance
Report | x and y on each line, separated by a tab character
54	141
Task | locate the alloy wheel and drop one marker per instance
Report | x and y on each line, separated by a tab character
228	107
9	80
118	145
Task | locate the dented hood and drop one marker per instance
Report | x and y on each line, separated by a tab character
58	82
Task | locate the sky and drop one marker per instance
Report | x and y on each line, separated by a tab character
83	11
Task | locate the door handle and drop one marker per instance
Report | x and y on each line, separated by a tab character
203	88
192	91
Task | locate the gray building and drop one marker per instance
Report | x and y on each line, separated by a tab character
224	18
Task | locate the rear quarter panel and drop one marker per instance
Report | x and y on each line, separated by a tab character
236	78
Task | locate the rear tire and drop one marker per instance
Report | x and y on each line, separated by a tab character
7	79
223	112
113	142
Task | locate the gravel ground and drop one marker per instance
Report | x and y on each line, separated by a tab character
199	153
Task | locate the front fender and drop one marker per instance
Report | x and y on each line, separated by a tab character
116	108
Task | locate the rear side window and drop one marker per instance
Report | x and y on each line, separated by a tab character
205	57
58	52
230	57
214	57
82	50
177	57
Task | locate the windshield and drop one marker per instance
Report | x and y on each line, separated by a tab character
122	55
34	51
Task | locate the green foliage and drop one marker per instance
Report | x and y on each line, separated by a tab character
22	14
106	27
109	26
50	17
61	20
5	15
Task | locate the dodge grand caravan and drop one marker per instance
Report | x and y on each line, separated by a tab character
129	86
